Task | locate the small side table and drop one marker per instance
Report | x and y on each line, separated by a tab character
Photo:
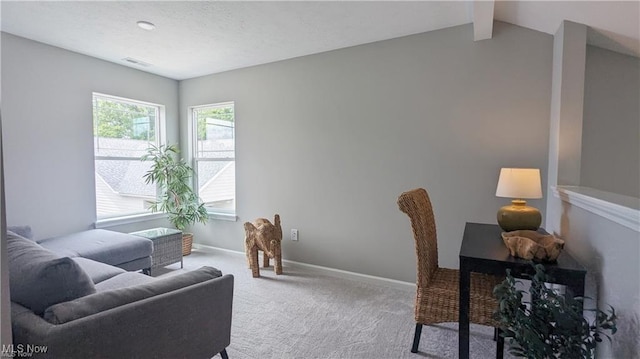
167	246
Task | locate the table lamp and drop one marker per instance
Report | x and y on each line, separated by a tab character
519	184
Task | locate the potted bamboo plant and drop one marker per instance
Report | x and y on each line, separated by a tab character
173	175
551	325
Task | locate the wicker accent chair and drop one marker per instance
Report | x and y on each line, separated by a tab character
437	296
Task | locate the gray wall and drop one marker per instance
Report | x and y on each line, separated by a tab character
611	127
48	143
329	141
609	251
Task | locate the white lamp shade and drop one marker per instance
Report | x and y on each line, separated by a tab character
519	183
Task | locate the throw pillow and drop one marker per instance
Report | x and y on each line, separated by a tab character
39	278
24	231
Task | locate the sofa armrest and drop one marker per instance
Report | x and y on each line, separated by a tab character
193	322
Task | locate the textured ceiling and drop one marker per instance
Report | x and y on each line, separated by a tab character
196	38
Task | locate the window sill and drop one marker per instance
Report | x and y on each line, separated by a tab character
621	209
223	216
135	218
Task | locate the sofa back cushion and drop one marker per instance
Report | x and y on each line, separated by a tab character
97	271
39	278
109	299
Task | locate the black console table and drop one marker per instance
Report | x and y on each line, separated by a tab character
483	251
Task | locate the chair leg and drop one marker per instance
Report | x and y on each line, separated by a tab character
223	354
495	334
499	345
416	338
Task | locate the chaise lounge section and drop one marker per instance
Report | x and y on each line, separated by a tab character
122	250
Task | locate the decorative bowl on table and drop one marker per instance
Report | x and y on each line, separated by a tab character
533	245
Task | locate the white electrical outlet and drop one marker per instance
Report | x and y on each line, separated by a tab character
294	234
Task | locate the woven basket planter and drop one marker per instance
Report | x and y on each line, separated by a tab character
187	242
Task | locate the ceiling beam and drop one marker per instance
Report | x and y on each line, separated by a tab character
482	19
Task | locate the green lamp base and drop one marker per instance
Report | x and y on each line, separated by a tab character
519	216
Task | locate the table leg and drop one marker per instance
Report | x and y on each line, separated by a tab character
463	314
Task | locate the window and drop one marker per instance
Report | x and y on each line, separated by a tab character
122	131
213	146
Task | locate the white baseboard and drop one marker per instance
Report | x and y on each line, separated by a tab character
339	273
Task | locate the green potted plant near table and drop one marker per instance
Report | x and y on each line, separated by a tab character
173	175
550	325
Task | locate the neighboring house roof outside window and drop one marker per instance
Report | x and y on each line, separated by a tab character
126	177
120	181
113	203
221	186
124	174
120	147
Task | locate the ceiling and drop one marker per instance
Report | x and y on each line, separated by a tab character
195	38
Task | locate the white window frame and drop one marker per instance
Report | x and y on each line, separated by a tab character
214	212
160	126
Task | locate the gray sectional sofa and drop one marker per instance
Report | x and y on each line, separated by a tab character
79	307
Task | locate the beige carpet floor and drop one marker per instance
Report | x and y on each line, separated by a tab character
309	314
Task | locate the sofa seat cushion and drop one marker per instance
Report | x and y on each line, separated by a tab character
39	278
98	271
126	279
101	245
108	299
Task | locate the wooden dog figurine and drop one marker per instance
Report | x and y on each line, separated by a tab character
266	237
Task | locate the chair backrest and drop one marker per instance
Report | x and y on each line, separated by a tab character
417	206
